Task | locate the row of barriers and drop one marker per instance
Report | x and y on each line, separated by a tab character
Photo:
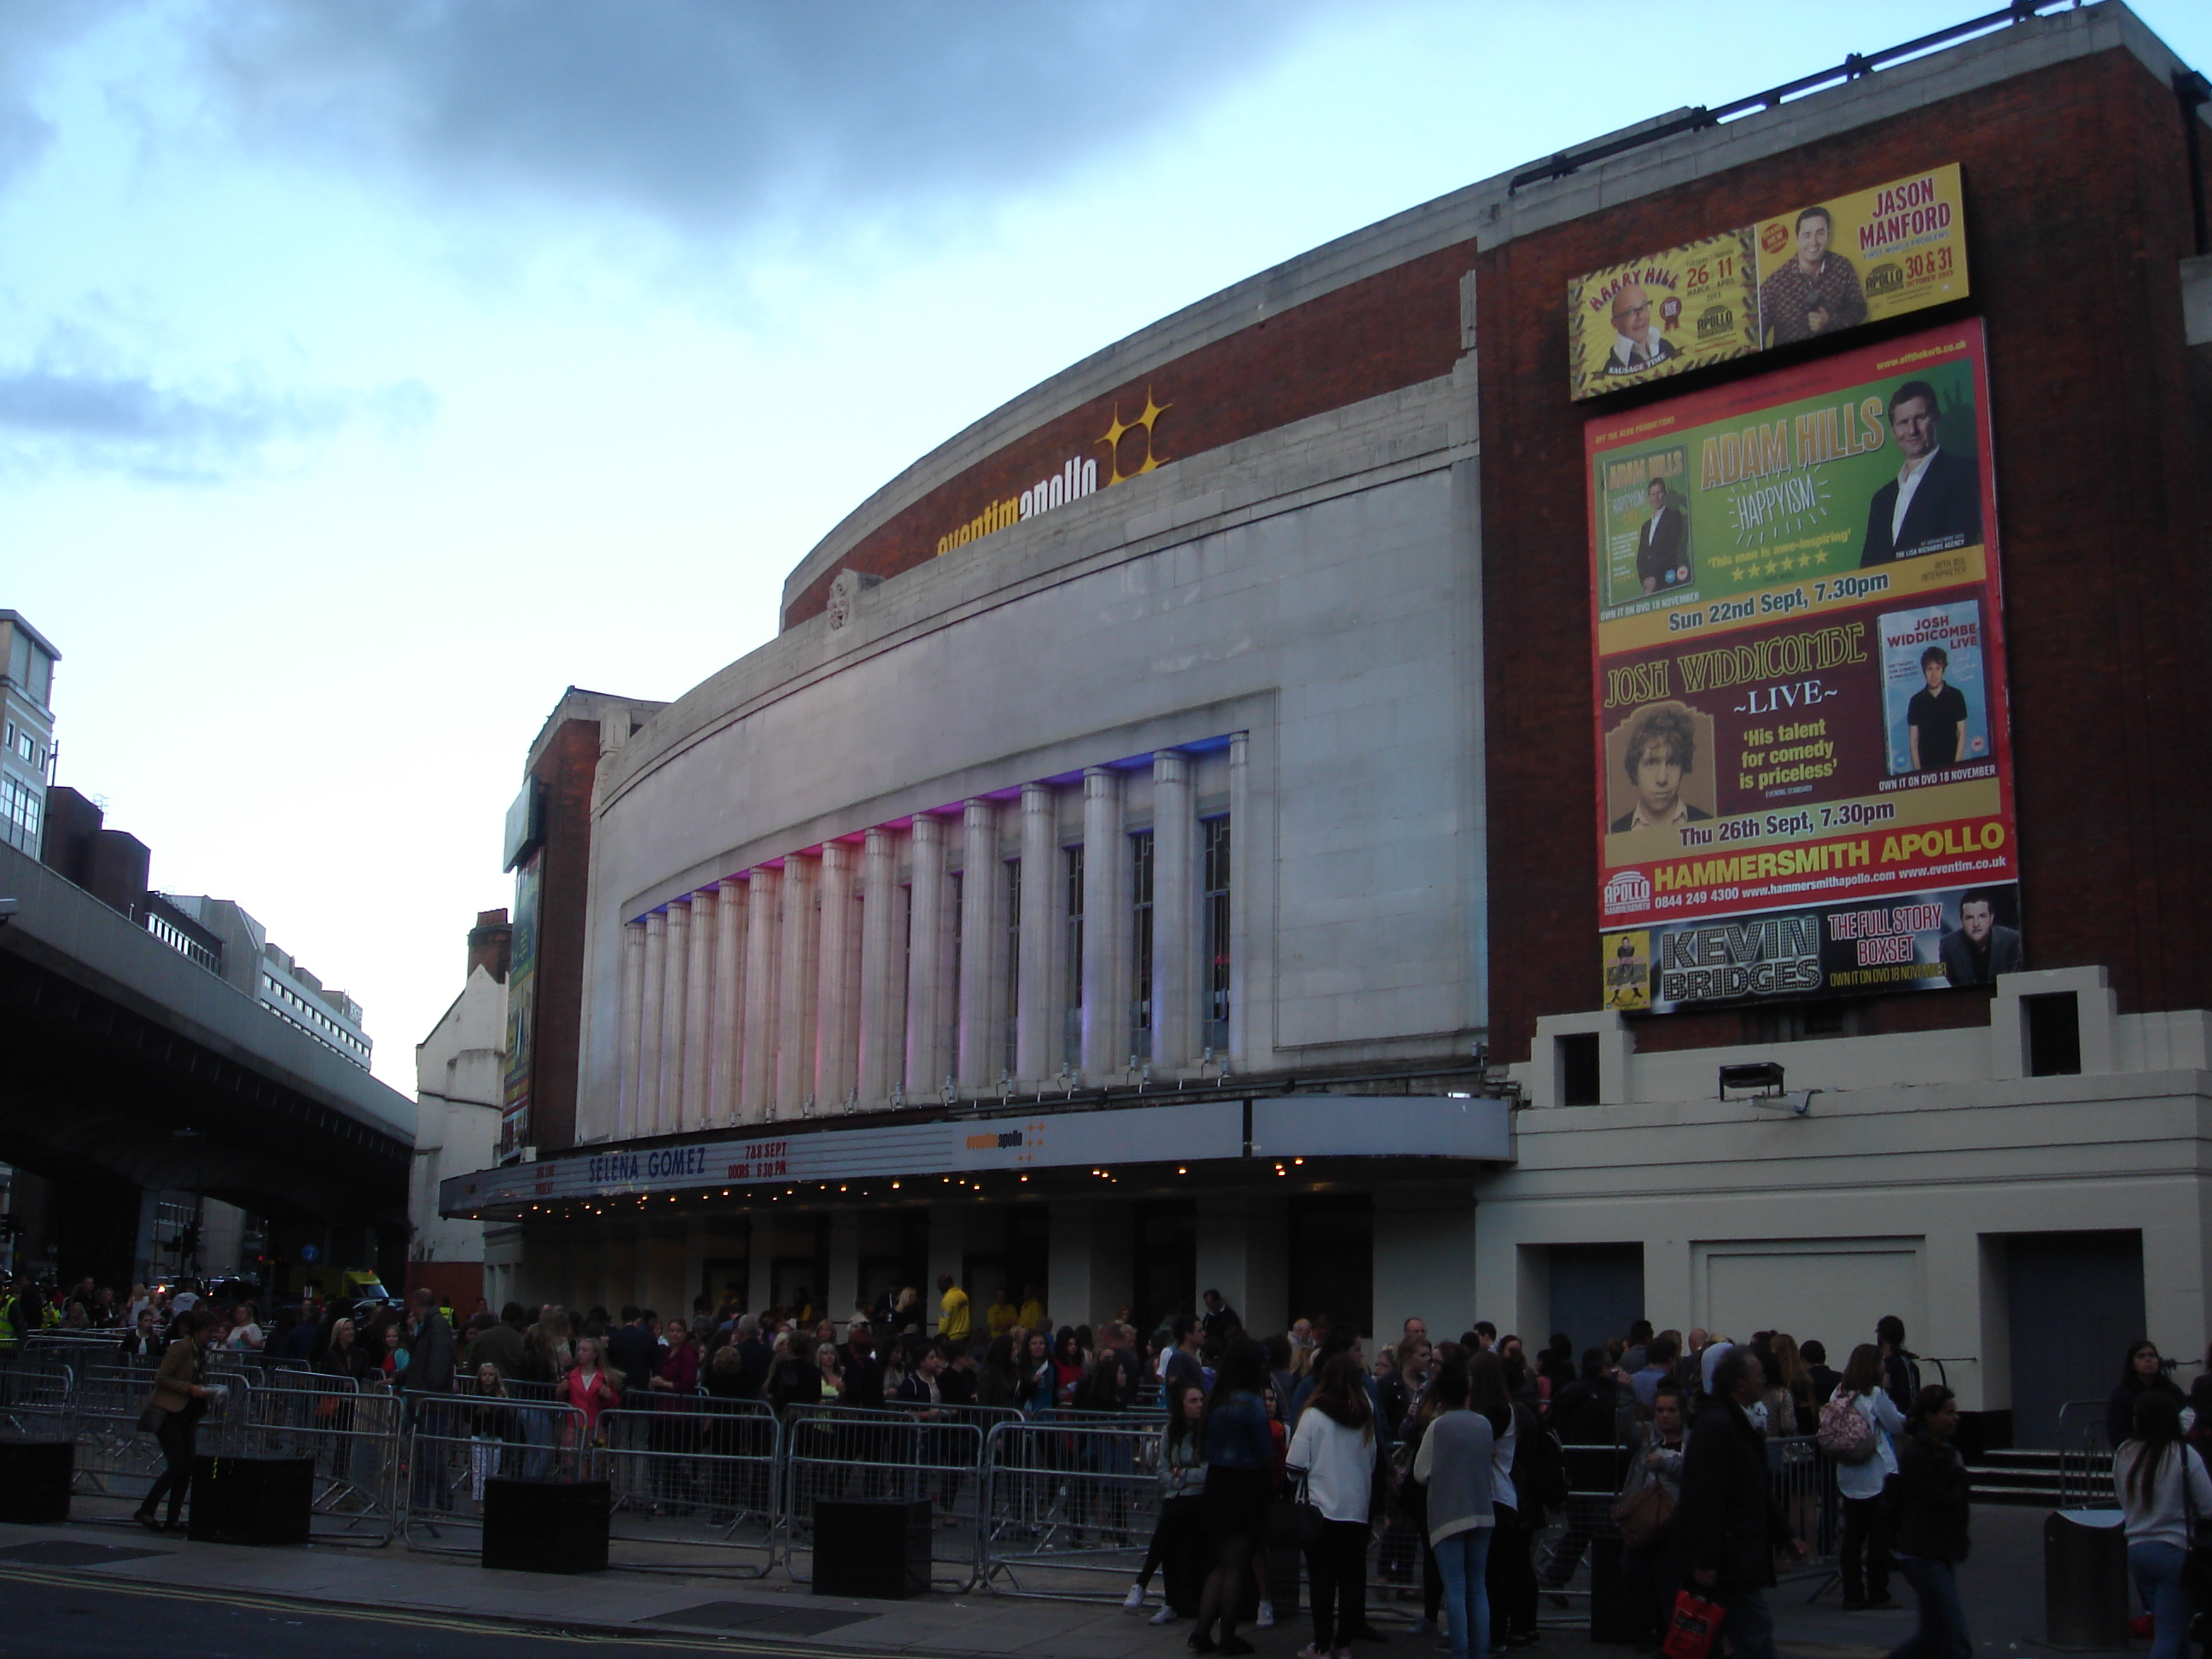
1062	1505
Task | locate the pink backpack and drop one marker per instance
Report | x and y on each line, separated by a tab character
1845	1433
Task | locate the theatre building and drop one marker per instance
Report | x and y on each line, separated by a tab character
1618	743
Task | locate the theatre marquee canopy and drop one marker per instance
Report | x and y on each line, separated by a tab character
1217	1133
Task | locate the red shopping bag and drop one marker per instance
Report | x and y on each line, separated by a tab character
1690	1632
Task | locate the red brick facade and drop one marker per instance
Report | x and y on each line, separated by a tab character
1395	329
2077	181
566	767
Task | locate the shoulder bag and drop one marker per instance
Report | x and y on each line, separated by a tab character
1646	1510
1305	1511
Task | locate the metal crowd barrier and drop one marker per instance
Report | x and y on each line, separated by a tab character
694	1472
36	1395
448	1447
2084	1457
1068	1500
906	1454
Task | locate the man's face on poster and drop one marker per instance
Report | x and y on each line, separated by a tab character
1812	241
1632	311
1913	422
1658	778
1933	673
1976	917
1655	494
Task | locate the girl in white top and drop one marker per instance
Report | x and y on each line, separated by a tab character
1864	1557
1334	1447
2161	1480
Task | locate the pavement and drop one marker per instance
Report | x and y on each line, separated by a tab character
661	1603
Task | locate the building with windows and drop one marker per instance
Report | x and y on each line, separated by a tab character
27	719
224	937
1279	807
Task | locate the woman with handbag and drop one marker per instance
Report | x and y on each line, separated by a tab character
1453	1467
1865	1549
1932	1510
1332	1455
1645	1511
172	1414
2164	1491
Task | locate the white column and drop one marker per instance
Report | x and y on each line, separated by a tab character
883	1052
763	964
982	945
1105	924
729	1002
652	1011
1241	841
1044	926
675	1000
925	1002
633	1006
699	1011
802	939
836	1033
1175	931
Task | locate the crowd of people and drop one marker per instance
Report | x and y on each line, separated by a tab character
1460	1449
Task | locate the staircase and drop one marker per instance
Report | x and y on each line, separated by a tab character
2033	1479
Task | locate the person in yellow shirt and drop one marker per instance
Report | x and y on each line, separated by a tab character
1031	1317
1002	1316
953	1319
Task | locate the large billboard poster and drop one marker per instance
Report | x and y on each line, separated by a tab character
1804	776
521	1007
1806	273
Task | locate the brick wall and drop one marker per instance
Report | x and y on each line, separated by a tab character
2078	212
1395	329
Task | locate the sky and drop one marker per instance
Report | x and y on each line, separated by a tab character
370	373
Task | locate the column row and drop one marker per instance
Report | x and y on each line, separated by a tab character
823	982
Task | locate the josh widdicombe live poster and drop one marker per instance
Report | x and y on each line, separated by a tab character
1804	774
1808	273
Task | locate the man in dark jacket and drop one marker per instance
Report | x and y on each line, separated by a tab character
634	1351
1729	1525
864	1373
430	1356
502	1345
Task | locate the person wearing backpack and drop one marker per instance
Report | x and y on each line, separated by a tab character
1856	1425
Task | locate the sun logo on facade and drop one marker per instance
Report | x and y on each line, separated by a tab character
1148	424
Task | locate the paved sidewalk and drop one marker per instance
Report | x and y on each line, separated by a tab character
2003	1587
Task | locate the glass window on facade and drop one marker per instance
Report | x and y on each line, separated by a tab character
1214	991
21	813
1072	1037
1140	945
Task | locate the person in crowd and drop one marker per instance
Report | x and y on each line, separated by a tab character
1183	1369
430	1349
180	1397
1900	1375
906	1316
1179	1541
1729	1525
1656	1449
1002	1315
1039	1377
679	1369
633	1350
1452	1469
1555	1366
864	1373
1068	1364
591	1386
1220	1320
1239	1455
794	1376
1865	1551
1661	1358
1933	1506
2142	1372
1777	1403
1796	1381
922	1385
1030	1316
391	1361
245	1332
723	1377
833	1373
959	1380
1825	1378
500	1345
1510	1572
998	1381
548	1347
955	1318
1583	1412
142	1344
345	1357
2163	1488
1333	1450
